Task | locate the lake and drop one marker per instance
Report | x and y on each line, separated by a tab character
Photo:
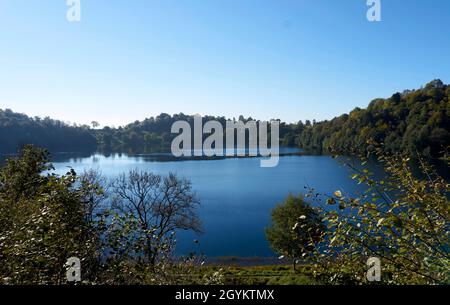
236	194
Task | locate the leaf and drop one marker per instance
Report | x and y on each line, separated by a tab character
380	221
332	240
331	201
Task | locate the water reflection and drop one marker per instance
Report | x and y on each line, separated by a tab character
236	194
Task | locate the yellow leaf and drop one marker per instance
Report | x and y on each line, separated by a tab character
380	222
338	194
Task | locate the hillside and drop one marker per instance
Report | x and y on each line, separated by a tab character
17	129
415	120
412	121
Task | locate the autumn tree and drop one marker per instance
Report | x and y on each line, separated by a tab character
403	219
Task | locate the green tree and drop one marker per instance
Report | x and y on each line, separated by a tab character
47	218
42	221
415	120
17	130
296	228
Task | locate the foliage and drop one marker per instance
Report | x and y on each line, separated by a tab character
403	219
154	207
296	228
153	134
18	130
41	221
259	275
46	219
412	121
415	120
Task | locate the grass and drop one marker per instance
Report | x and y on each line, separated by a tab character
259	275
268	275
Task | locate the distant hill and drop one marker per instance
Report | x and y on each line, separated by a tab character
415	120
412	121
18	129
150	135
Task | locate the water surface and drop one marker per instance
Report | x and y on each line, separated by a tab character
236	194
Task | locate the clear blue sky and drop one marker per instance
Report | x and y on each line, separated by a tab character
127	60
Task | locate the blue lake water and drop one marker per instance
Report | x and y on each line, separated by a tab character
236	194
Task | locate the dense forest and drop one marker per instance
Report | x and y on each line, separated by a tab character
412	121
153	134
17	130
150	135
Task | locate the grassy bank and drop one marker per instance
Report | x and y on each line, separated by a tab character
256	275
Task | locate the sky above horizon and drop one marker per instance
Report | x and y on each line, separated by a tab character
287	59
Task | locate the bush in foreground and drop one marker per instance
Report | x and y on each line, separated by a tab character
402	219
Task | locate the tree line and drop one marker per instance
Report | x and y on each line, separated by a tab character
17	130
412	121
